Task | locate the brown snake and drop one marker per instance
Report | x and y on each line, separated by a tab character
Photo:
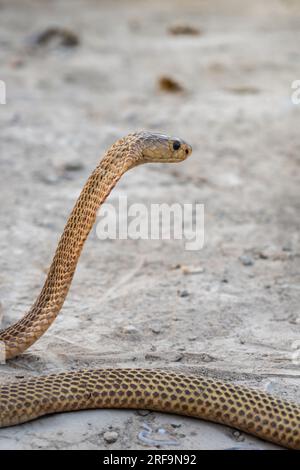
255	412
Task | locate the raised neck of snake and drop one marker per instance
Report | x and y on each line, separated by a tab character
118	159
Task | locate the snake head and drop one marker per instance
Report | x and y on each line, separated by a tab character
161	148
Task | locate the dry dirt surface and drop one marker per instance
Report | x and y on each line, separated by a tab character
81	74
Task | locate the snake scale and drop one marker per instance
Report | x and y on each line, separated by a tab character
249	410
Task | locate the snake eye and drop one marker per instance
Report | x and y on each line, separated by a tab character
176	145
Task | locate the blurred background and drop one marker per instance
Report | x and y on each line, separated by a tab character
219	74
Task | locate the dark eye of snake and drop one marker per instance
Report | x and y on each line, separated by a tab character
176	144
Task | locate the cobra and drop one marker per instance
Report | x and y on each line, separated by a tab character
253	411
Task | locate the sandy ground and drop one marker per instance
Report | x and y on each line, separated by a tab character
238	318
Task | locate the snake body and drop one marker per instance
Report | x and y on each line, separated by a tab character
249	410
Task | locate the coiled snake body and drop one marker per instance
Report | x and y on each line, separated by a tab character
246	409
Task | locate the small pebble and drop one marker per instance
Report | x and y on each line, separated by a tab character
178	357
63	36
264	254
238	436
184	29
192	338
191	269
183	293
72	166
286	248
156	329
169	85
110	436
176	425
176	266
143	412
246	260
130	329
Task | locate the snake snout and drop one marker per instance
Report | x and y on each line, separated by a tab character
184	150
188	149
